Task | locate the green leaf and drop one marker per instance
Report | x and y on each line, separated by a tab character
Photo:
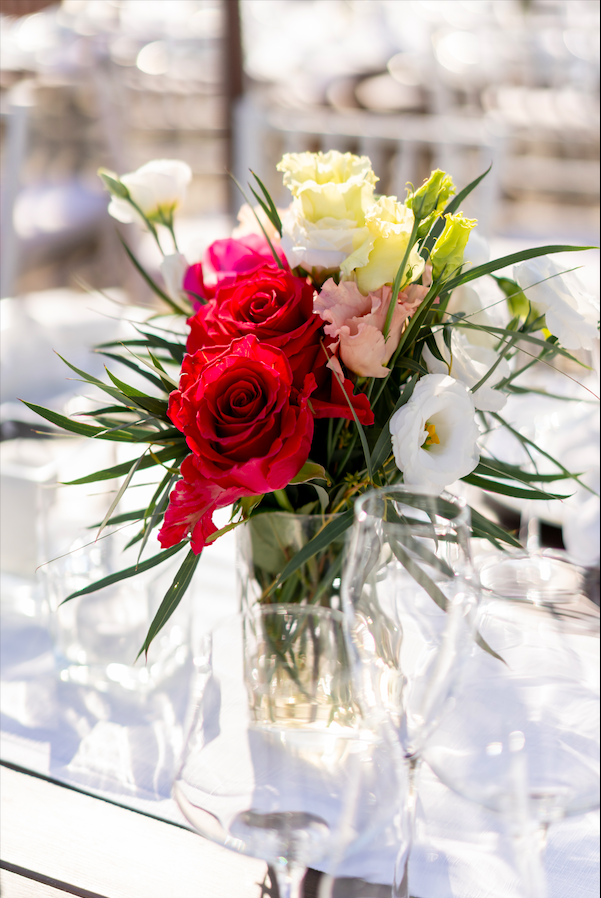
132	365
419	575
480	270
126	573
283	501
322	540
120	492
359	426
494	486
167	454
152	284
113	184
122	518
249	503
520	335
399	277
86	430
310	471
493	468
418	548
213	536
484	528
453	206
151	404
528	442
276	257
273	214
172	598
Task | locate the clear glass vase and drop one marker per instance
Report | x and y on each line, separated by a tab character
265	545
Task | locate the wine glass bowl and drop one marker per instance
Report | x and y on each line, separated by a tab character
521	732
408	587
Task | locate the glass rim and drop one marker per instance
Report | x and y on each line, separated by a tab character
398	491
294	608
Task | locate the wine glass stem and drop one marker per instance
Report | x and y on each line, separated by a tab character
400	886
530	846
290	881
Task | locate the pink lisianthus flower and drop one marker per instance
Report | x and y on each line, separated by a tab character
357	321
225	259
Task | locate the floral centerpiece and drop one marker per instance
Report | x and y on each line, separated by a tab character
331	346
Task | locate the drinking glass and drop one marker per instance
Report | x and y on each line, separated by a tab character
408	588
288	757
543	578
521	735
97	635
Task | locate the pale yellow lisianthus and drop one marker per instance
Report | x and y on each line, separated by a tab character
325	222
329	185
376	261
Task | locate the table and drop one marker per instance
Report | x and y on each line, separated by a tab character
86	805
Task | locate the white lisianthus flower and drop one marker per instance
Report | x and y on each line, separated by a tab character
157	188
326	221
173	268
434	435
571	314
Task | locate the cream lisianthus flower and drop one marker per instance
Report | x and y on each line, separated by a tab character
434	435
325	222
571	314
156	188
376	261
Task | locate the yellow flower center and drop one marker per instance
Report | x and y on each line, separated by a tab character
432	438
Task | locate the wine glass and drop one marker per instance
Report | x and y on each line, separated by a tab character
288	757
522	733
408	588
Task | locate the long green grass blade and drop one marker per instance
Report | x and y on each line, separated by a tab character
151	283
126	573
132	365
473	273
322	540
172	598
168	454
493	486
274	217
86	430
119	494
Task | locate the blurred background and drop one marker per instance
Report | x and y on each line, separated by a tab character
229	86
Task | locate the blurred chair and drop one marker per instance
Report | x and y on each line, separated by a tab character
44	217
401	148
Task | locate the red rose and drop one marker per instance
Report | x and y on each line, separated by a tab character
277	308
225	259
248	427
272	304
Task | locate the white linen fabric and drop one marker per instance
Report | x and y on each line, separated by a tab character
126	751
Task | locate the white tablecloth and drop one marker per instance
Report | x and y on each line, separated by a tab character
126	752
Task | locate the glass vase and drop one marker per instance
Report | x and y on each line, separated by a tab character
265	545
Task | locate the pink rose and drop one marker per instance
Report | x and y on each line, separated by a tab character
357	321
225	259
